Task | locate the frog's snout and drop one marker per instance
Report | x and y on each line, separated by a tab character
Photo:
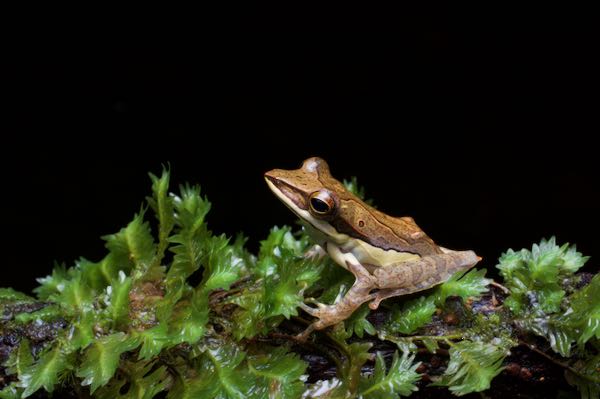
271	175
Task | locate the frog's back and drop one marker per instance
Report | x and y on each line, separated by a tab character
366	223
409	235
360	220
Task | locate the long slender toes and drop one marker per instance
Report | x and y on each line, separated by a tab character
310	310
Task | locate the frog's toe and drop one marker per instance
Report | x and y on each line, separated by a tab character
311	300
312	311
308	309
375	303
303	336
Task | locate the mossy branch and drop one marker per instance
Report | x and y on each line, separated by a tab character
218	321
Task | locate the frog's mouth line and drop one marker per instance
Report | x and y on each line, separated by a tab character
286	194
290	198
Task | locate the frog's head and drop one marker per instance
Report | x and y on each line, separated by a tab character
322	202
309	191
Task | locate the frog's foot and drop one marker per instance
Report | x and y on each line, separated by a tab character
329	315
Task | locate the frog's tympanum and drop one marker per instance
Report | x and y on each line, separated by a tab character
389	256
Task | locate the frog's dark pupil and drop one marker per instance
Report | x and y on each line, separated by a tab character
319	205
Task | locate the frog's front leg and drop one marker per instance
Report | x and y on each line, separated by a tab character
421	274
359	293
315	252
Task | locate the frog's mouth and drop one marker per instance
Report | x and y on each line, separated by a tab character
287	194
297	204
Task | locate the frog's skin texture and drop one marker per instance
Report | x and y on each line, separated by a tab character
389	256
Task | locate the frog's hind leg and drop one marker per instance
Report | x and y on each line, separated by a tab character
418	275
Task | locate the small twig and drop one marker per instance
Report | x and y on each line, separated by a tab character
437	337
557	362
241	282
308	344
219	295
287	337
500	286
438	351
444	338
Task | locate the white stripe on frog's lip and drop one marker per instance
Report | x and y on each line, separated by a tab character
320	225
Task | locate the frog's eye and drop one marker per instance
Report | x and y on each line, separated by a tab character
321	203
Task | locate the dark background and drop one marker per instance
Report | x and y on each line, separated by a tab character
485	139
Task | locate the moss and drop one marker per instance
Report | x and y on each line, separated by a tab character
188	313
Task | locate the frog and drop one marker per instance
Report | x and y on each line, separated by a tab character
389	256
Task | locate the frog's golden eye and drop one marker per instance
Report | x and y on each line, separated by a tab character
321	203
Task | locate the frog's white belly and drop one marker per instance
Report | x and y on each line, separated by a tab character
367	254
360	251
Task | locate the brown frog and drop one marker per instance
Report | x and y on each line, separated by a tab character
389	256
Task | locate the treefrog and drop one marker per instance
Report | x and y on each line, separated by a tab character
389	256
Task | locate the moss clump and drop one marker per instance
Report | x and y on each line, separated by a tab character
192	314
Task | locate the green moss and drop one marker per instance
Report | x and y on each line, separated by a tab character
181	311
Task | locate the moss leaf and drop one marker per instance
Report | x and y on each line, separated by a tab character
400	380
472	366
153	341
133	245
190	241
45	372
413	314
163	207
11	392
20	360
463	284
220	374
102	358
188	323
358	324
143	381
52	285
223	264
532	276
279	374
119	300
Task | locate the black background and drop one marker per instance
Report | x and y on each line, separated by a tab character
485	139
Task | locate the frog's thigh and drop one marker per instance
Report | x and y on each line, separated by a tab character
425	272
398	275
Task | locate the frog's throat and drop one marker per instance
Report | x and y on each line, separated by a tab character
320	225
